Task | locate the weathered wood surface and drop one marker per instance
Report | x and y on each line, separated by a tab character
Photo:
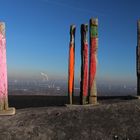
93	60
84	65
138	57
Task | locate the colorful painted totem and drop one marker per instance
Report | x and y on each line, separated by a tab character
84	65
138	58
93	60
71	63
4	109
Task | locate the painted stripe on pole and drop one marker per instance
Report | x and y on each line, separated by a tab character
85	71
71	68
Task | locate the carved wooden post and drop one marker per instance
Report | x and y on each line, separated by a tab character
93	60
71	64
138	58
4	109
84	65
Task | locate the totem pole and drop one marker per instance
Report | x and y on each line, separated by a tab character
84	65
138	58
4	109
93	60
71	64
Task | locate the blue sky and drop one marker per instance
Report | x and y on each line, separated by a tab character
37	34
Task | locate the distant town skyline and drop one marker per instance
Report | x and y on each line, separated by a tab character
37	33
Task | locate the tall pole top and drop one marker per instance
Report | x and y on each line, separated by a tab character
84	30
94	21
2	28
72	33
93	27
138	32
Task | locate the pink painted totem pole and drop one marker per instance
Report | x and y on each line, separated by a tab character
4	109
84	65
93	60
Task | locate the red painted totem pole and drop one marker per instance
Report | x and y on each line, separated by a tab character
93	60
84	65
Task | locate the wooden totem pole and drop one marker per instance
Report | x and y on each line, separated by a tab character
71	64
138	58
84	65
4	108
93	60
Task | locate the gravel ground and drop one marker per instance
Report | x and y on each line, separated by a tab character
106	121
